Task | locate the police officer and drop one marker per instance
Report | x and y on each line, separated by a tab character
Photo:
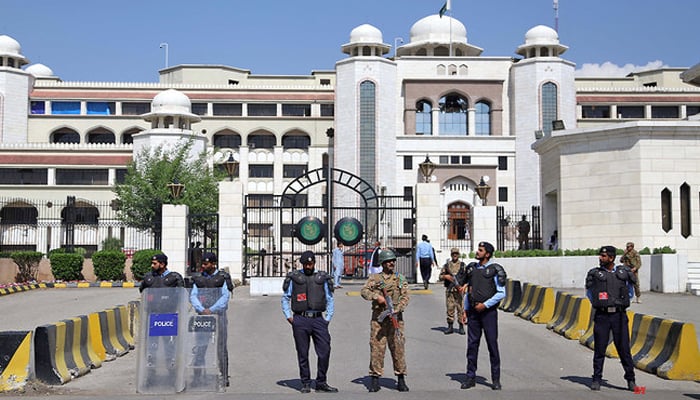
307	294
609	288
451	274
486	282
425	258
160	275
395	287
210	295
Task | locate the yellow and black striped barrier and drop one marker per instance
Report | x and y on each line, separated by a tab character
21	288
15	357
528	293
513	297
114	331
571	316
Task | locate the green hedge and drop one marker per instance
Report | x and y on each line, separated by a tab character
28	263
66	266
112	243
141	262
108	265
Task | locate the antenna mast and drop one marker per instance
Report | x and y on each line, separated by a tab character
556	15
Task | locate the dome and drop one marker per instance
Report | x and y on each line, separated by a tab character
437	30
9	46
366	33
171	103
541	35
40	71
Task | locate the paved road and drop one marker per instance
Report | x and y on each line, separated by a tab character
537	364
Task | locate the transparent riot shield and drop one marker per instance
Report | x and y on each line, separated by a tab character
205	349
160	363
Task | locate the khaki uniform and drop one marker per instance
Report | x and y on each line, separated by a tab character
453	299
383	334
632	259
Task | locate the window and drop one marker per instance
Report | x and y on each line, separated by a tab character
327	110
260	200
23	176
296	142
502	163
135	108
81	176
65	107
443	160
296	200
595	111
262	110
407	225
670	112
454	159
502	193
630	111
408	162
549	106
483	119
128	136
37	107
84	215
120	175
666	214
692	110
227	140
65	136
199	108
407	193
295	110
685	210
424	118
293	171
453	115
101	136
262	141
368	131
100	108
325	82
260	171
18	213
228	109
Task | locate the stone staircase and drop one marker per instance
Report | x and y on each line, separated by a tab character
693	284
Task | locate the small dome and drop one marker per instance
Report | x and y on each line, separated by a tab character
40	71
366	33
171	101
541	35
9	46
433	29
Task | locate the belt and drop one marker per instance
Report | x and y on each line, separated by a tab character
310	314
610	310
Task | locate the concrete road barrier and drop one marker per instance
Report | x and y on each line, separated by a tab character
571	316
513	297
15	359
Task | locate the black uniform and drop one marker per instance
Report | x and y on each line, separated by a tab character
609	293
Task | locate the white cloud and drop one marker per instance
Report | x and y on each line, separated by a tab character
608	69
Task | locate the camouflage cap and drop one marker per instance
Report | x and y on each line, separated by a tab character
455	250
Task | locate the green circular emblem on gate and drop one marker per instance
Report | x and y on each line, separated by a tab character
310	230
348	231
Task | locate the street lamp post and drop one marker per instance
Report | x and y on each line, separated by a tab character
427	168
176	188
231	166
164	45
482	190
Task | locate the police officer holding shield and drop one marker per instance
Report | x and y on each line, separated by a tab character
210	295
306	295
610	288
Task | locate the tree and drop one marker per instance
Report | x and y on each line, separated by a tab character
145	187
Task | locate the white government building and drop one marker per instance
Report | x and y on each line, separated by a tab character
609	160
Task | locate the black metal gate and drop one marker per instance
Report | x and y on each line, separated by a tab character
518	230
203	232
271	248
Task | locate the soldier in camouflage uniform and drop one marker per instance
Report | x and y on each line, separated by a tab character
633	260
454	297
384	333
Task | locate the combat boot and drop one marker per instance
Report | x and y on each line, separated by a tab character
374	385
401	386
461	329
449	329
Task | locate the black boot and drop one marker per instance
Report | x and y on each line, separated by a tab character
374	385
402	384
461	329
450	330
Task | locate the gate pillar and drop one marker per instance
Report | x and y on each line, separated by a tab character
485	229
174	236
231	227
428	208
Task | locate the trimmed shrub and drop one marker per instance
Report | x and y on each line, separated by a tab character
141	262
66	266
109	265
112	243
28	263
664	250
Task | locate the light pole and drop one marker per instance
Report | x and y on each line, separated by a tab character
426	169
164	45
396	44
231	166
482	190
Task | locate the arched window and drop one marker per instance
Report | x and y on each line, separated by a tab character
459	227
262	141
65	135
483	119
227	139
101	135
296	142
18	214
81	213
128	136
549	106
424	118
453	115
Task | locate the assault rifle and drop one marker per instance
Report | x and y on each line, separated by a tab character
389	312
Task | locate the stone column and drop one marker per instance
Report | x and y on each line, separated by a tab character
428	222
484	226
174	236
231	227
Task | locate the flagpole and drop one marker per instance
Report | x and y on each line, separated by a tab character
449	8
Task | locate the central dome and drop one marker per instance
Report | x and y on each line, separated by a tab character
366	33
9	46
436	29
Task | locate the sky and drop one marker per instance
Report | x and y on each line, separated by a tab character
120	41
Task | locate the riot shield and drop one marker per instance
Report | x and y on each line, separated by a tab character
160	363
205	349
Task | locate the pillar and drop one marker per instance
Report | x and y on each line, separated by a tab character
428	221
174	236
231	227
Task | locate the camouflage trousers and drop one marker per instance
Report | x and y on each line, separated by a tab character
637	292
455	306
380	336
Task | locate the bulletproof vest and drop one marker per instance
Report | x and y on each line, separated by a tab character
308	292
609	289
152	280
209	297
483	285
